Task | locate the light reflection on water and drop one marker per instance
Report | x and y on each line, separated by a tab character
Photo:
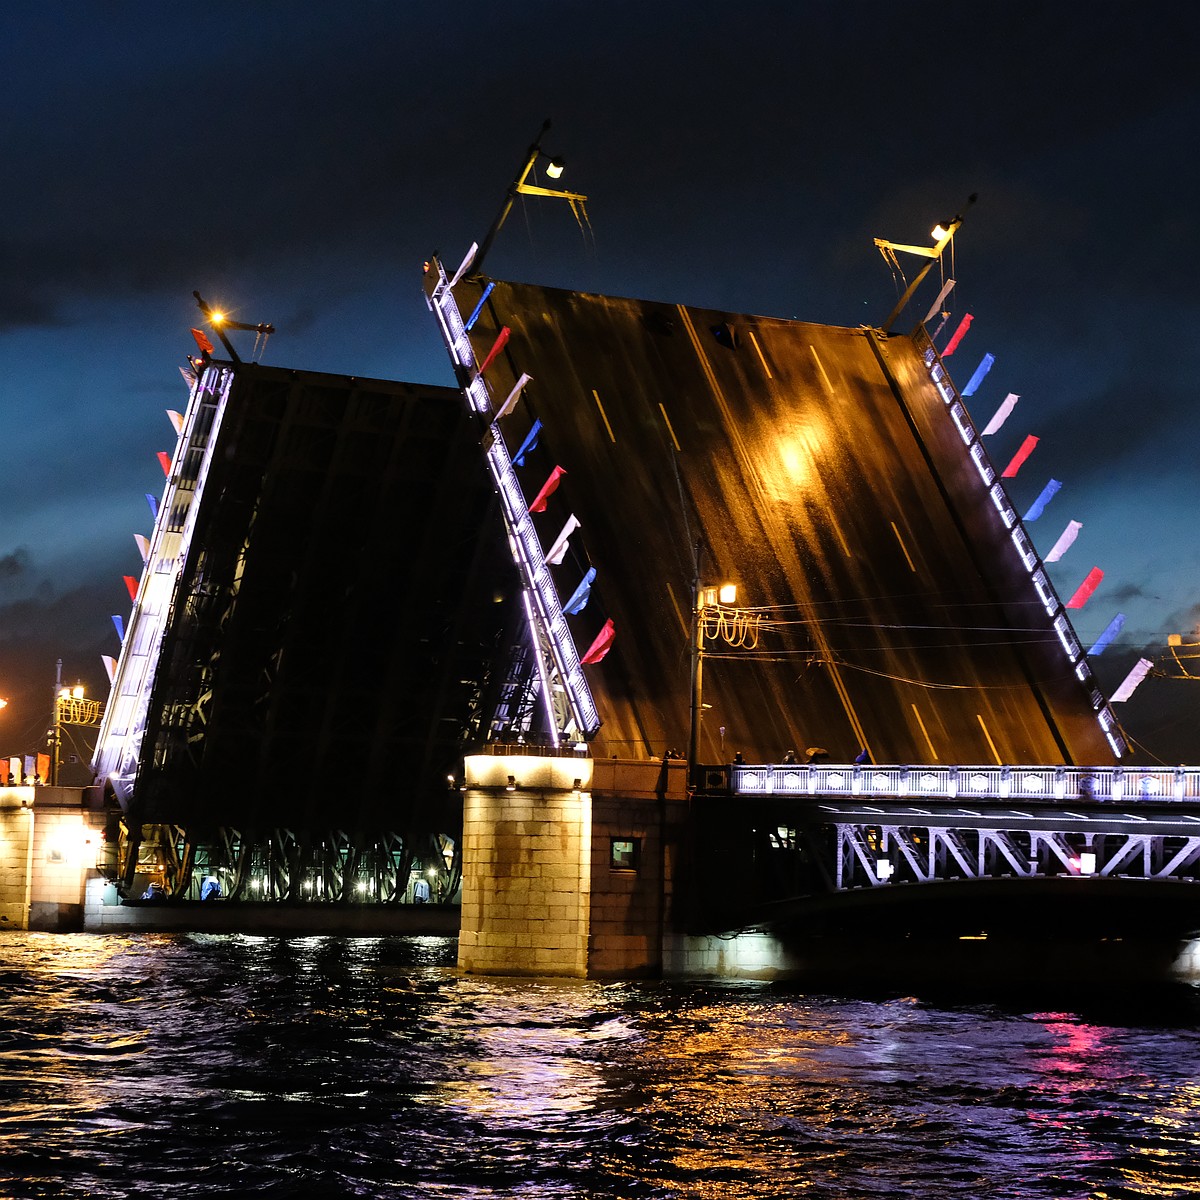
234	1065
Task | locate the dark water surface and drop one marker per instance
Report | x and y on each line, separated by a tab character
166	1066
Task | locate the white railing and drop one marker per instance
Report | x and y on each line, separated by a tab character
1017	783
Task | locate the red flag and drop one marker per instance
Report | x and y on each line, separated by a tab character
956	337
603	643
43	767
132	585
548	488
165	461
202	341
1083	593
1019	458
498	345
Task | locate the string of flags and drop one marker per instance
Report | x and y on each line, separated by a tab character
1083	593
556	553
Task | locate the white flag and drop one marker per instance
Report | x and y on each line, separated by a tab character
514	396
938	302
1140	670
466	262
554	555
1065	541
1001	414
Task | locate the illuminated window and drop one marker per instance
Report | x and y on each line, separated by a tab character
624	853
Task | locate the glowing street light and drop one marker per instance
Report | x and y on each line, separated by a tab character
943	234
732	625
519	187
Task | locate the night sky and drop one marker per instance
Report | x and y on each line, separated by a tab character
297	163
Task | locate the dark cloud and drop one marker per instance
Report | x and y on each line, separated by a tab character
14	567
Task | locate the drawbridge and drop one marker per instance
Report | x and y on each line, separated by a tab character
890	605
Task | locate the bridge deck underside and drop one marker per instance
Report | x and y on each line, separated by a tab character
333	640
822	474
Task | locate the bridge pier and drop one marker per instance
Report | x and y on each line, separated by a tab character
576	867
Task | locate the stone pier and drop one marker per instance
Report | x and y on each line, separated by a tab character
578	867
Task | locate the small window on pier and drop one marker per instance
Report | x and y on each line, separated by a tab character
624	853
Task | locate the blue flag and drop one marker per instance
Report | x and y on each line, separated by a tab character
120	626
1038	506
579	600
528	445
153	505
1105	639
980	371
487	291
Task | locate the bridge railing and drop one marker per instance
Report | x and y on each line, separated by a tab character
1017	783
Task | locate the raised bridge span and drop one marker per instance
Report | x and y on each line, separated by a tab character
835	475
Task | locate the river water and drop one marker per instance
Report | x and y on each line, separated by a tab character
202	1065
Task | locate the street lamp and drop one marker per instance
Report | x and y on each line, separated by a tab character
519	187
943	234
713	615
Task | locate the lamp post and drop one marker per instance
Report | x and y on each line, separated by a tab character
697	674
702	598
520	187
944	233
71	707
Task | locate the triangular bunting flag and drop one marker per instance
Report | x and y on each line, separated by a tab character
579	598
120	624
176	419
164	461
202	341
132	585
548	489
153	505
110	667
143	545
603	643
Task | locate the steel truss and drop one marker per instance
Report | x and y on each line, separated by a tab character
286	865
885	855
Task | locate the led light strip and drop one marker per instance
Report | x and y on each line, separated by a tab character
548	625
119	742
1020	539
